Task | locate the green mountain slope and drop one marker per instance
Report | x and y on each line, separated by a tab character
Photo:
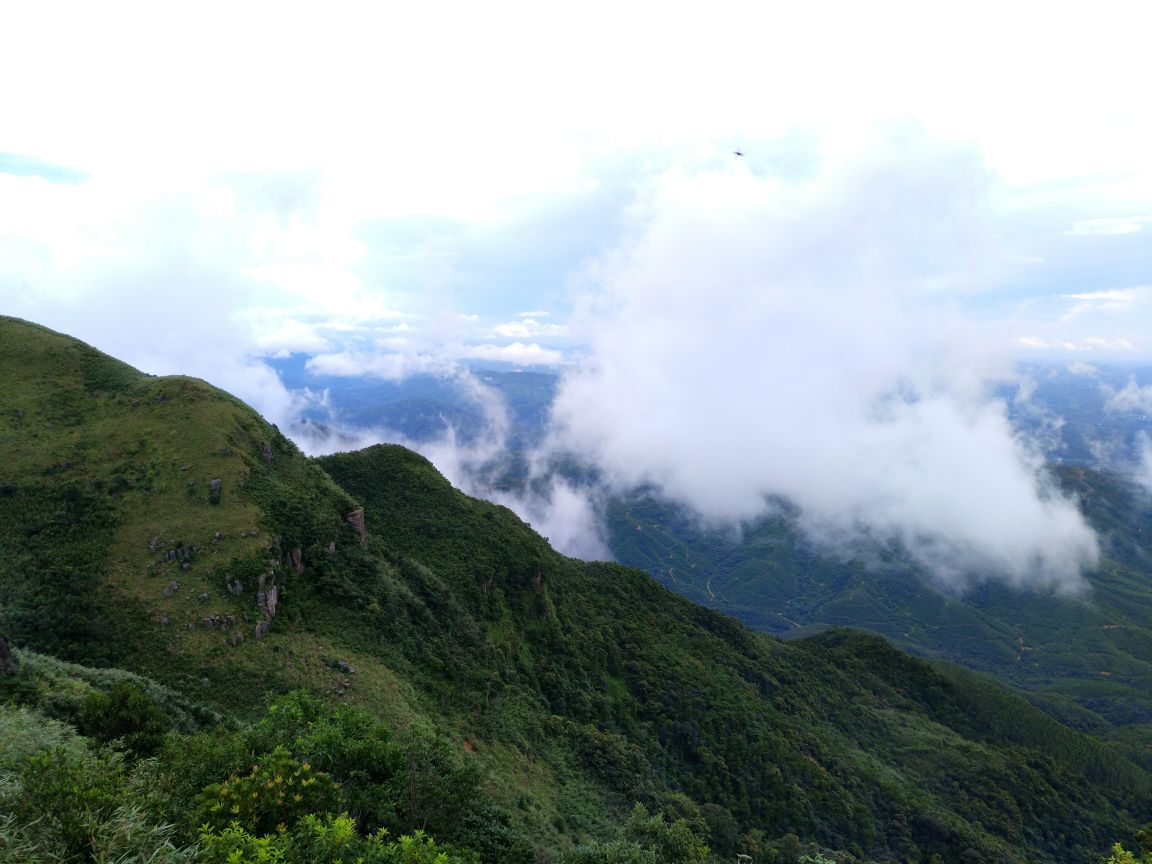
577	689
1087	658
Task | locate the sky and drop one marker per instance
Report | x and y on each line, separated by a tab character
925	194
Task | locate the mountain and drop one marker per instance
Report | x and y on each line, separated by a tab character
157	527
1087	658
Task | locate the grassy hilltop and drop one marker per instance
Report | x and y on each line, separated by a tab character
448	640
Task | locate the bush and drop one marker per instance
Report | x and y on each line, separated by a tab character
619	852
347	743
672	842
278	792
24	732
126	714
69	794
323	840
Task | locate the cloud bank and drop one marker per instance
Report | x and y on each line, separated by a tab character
757	338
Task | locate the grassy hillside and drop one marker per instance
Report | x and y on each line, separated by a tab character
574	689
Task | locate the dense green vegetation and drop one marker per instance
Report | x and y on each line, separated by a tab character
443	675
1087	658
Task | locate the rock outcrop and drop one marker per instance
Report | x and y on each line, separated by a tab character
9	665
356	520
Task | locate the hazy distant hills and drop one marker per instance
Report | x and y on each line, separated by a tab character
423	406
1075	415
158	525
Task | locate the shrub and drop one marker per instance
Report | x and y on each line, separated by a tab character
24	732
619	852
323	840
278	792
672	842
69	794
126	714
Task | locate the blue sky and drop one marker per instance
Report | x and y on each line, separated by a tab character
927	194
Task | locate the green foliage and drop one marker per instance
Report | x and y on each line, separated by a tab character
1120	855
52	546
59	689
323	840
126	714
25	732
348	744
671	842
235	845
68	794
615	852
124	837
276	792
1085	657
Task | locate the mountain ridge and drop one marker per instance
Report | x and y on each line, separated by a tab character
577	688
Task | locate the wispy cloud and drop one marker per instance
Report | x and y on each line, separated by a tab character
1113	300
1143	473
530	354
1087	344
397	363
528	328
1111	225
1083	370
27	166
1132	397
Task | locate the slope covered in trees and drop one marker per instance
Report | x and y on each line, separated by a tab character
1086	658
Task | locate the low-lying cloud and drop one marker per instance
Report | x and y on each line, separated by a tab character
1131	398
569	516
763	338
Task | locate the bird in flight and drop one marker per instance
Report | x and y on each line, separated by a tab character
738	152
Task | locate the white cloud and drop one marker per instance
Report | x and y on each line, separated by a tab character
1143	473
1111	225
1085	370
397	363
279	335
529	328
155	277
1113	300
390	366
1133	398
522	354
759	338
1087	344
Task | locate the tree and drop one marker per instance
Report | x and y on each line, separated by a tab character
673	843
